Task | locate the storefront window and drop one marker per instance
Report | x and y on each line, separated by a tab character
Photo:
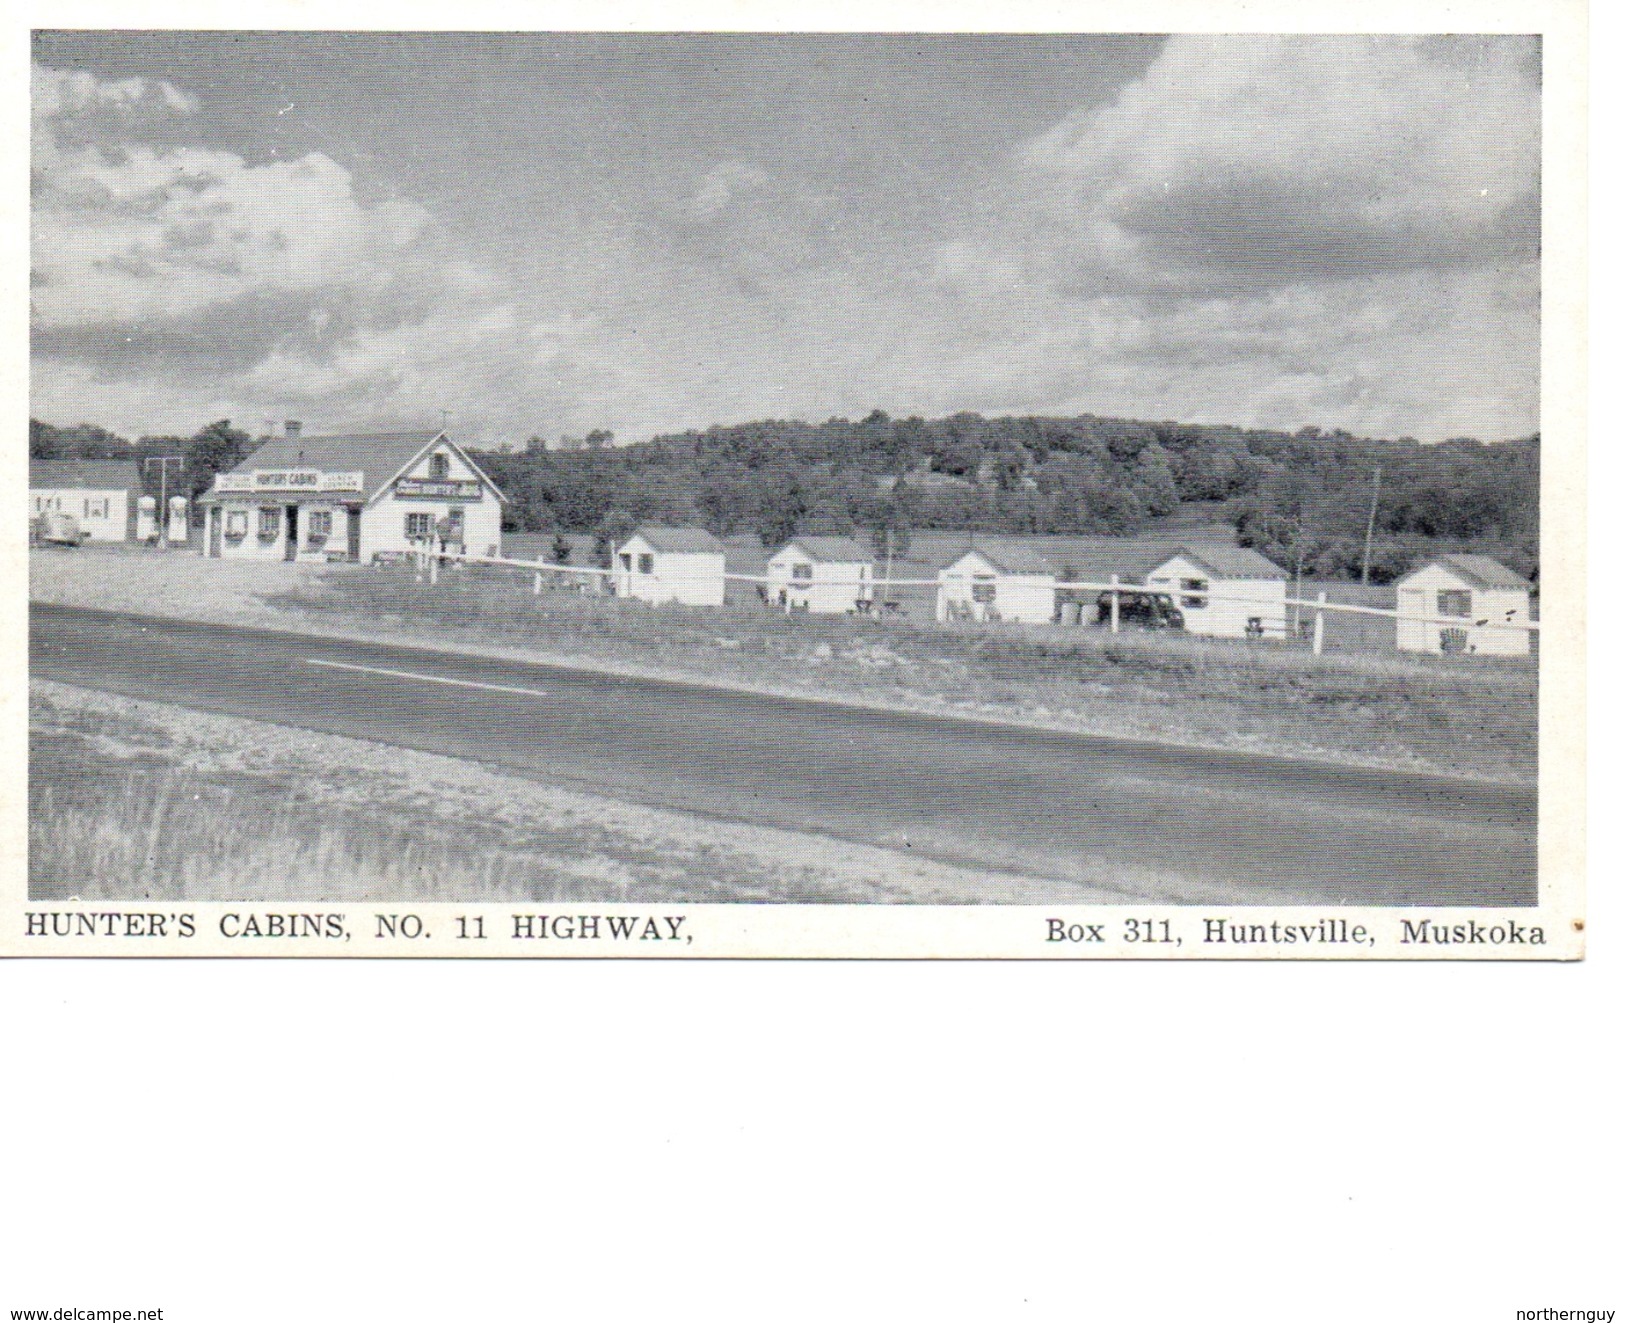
319	525
419	526
270	522
236	523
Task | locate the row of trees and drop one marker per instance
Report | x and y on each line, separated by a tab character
1301	498
212	449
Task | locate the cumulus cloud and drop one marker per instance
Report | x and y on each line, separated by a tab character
1249	162
1272	231
720	187
156	263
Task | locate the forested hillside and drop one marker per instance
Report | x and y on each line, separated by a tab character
1302	498
1296	497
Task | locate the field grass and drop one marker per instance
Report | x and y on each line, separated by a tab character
133	800
1471	715
1361	704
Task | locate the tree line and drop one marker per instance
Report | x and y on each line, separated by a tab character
1303	498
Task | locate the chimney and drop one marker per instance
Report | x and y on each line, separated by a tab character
291	429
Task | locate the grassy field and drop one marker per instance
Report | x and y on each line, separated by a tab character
1465	715
143	800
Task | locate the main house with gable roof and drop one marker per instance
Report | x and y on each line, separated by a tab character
353	498
1451	603
1224	591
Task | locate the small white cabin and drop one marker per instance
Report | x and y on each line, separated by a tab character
100	494
1224	591
671	565
821	575
1451	603
997	580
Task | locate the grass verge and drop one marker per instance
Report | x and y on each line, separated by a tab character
134	800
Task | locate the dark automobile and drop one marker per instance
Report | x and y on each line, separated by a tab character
1147	610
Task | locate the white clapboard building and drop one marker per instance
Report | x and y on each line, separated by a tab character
352	498
671	565
821	575
99	494
997	580
1450	604
1224	591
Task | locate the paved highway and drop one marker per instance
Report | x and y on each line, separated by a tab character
1154	821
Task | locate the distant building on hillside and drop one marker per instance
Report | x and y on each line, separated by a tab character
100	494
1224	591
671	565
997	580
1450	604
352	497
821	575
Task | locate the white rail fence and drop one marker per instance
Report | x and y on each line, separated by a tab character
427	565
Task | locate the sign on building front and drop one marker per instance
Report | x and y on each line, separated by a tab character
440	489
288	480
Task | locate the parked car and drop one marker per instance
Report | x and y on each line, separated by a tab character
57	530
1146	610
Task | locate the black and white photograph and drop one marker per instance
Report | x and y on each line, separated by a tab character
734	660
640	482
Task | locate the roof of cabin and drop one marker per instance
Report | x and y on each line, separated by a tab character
1480	571
680	541
832	550
96	475
1006	557
1227	562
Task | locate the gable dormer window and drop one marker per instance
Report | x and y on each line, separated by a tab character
439	467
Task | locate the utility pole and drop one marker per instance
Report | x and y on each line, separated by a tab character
1371	525
163	462
886	593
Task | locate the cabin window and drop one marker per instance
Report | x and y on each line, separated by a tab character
983	589
419	526
270	522
1455	602
439	467
236	523
1193	586
96	507
646	563
626	561
319	525
801	571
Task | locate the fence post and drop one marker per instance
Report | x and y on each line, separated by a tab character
434	565
1115	596
1320	621
536	587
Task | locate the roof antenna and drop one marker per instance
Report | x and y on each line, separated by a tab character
445	419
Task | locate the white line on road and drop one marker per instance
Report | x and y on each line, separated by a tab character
430	679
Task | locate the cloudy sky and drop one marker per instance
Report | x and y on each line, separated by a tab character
547	234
